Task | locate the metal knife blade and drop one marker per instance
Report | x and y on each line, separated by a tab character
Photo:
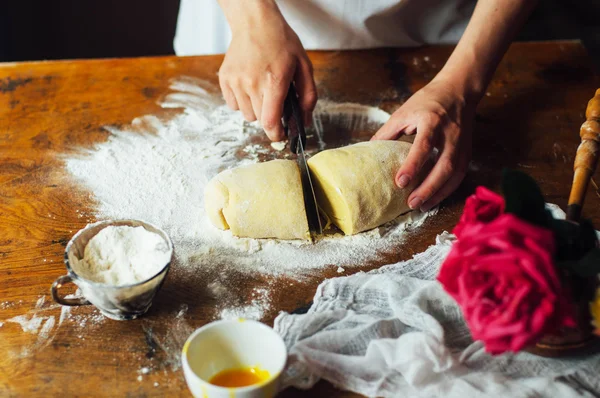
294	129
310	199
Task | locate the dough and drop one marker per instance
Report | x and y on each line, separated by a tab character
262	200
355	184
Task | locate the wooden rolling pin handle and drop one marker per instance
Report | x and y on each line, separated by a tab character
586	159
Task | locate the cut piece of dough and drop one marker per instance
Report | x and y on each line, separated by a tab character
262	200
355	184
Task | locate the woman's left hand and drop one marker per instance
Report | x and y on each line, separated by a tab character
442	118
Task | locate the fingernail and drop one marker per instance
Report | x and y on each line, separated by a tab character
426	207
403	181
415	203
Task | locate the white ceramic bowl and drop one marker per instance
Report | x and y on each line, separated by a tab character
228	344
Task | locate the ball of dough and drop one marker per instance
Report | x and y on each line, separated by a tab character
262	200
355	184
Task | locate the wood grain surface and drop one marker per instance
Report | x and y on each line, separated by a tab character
529	120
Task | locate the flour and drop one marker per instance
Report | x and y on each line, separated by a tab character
254	310
29	324
85	320
44	333
166	344
37	323
9	304
123	255
158	175
155	170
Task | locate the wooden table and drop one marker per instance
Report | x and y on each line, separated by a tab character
528	120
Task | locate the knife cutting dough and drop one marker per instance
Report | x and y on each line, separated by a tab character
354	187
266	41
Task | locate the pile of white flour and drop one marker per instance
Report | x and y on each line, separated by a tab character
156	171
123	255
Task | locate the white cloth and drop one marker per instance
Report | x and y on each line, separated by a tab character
333	24
394	332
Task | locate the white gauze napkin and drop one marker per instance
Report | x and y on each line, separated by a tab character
394	332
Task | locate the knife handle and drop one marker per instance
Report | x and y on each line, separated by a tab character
586	159
293	126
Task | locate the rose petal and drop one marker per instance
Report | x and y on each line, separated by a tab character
502	274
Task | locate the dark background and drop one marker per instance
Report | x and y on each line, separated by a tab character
68	29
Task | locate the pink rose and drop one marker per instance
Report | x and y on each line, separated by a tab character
482	207
503	277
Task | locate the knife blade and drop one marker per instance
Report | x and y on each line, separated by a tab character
294	130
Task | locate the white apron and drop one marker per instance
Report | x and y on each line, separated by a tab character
333	24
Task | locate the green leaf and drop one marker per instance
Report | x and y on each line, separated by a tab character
573	241
524	198
587	267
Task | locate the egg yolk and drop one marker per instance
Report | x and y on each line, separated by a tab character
239	377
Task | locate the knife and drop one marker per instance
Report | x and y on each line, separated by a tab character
294	129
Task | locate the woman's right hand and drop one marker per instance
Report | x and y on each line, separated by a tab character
264	56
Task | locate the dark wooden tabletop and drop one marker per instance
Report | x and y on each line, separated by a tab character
528	120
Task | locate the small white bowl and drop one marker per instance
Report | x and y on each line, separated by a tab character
230	344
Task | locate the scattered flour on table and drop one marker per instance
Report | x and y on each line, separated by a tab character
29	324
155	170
39	322
166	338
34	323
8	304
123	255
254	310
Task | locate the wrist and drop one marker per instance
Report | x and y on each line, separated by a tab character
466	81
468	74
243	15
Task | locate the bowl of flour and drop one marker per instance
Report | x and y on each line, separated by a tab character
119	266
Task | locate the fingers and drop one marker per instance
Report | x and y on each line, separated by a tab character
417	156
228	95
445	191
393	128
263	98
445	176
257	101
459	151
272	105
307	91
245	104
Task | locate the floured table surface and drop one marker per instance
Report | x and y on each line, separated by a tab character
50	111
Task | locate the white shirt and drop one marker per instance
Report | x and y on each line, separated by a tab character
333	24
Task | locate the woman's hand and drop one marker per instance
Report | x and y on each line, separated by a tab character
442	113
442	119
264	56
